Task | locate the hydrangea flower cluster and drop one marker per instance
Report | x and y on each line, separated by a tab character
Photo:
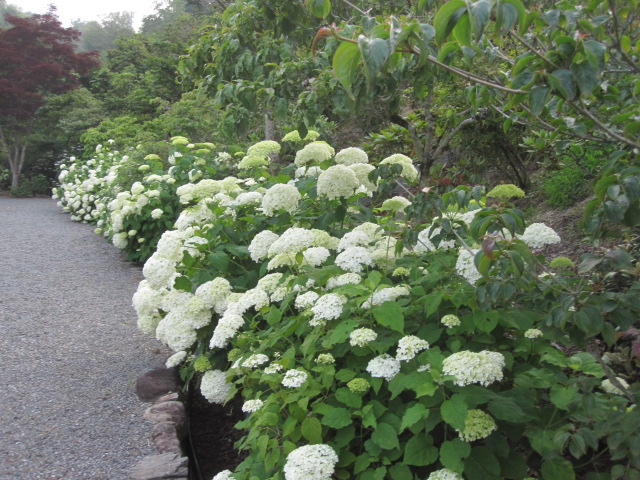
314	152
444	474
409	346
251	406
388	294
533	333
466	268
425	243
176	359
327	307
408	170
223	475
325	359
281	196
384	366
537	235
294	378
477	425
450	321
474	367
361	336
214	386
336	182
311	462
359	385
351	155
255	360
395	204
609	387
354	259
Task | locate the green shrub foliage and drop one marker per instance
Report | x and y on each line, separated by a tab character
426	339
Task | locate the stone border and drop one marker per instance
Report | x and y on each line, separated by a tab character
169	418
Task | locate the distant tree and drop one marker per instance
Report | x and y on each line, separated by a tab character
38	60
9	9
101	36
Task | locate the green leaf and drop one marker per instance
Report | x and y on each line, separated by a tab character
506	17
538	99
345	64
482	464
182	283
346	396
447	17
337	418
479	17
419	451
507	409
595	52
390	315
558	469
219	261
454	411
462	31
312	430
585	76
374	52
319	8
452	454
564	83
562	396
413	415
385	436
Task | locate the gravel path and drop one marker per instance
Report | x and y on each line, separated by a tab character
70	350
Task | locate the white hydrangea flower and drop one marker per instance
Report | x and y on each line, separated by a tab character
311	462
408	170
294	378
259	246
466	268
344	279
537	235
214	293
474	367
426	245
175	333
120	241
282	260
362	171
159	272
273	368
327	307
388	294
395	204
176	359
450	321
312	171
265	147
354	259
444	474
156	213
409	346
533	333
315	256
292	241
251	406
354	239
306	300
214	386
337	182
223	475
255	360
361	336
609	387
226	329
348	156
384	366
280	197
315	152
477	425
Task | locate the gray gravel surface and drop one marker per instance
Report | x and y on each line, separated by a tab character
70	350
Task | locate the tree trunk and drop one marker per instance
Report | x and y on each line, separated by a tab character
16	156
15	179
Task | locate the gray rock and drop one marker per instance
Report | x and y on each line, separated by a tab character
156	383
166	437
171	411
161	467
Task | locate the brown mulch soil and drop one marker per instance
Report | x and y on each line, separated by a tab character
213	436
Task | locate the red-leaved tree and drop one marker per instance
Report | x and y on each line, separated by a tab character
37	59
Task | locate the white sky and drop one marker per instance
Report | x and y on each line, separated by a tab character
69	10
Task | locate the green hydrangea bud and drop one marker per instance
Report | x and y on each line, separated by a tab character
202	364
561	263
506	192
358	385
325	359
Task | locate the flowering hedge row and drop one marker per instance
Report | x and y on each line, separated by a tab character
373	336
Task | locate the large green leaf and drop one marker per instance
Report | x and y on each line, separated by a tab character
506	17
585	76
319	8
482	464
447	17
452	454
538	99
479	17
454	411
419	451
564	83
312	430
337	418
385	436
345	64
389	314
374	52
558	469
